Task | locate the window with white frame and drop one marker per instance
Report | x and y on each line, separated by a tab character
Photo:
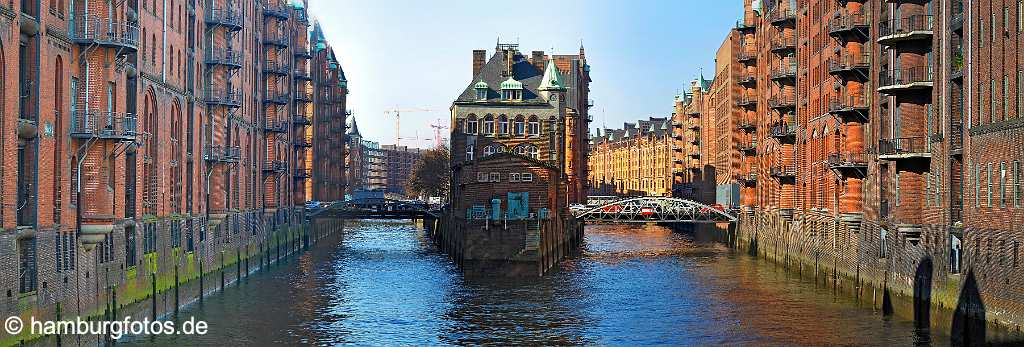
481	177
520	126
1003	197
489	150
471	124
526	177
488	125
495	177
503	125
534	127
469	152
1016	182
989	191
513	177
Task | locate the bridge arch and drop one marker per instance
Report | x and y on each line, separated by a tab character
653	210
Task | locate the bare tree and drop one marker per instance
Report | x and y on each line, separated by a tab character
430	176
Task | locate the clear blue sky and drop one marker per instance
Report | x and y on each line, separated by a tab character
416	54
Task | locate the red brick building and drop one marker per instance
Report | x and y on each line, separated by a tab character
153	133
868	127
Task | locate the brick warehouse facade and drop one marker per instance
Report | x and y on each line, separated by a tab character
400	161
162	136
634	160
873	124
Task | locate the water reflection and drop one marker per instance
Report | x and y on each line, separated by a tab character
383	284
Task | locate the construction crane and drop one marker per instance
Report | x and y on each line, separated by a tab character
398	118
437	132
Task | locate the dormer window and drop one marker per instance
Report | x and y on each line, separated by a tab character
511	90
481	90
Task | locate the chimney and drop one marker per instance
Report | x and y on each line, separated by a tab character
479	55
537	59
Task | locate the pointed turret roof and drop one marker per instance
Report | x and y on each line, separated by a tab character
552	79
353	129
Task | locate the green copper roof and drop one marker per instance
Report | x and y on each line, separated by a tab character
511	83
480	85
552	78
297	4
320	46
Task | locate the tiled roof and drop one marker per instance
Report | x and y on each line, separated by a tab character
491	73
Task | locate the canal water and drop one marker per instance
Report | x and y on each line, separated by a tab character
384	284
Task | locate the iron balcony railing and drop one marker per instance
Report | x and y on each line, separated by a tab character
956	20
103	125
275	67
742	25
276	97
275	8
782	15
906	77
694	126
748	146
850	63
890	30
903	146
747	57
222	153
746	124
274	166
224	97
223	56
301	119
228	17
303	142
783	44
784	72
848	160
783	171
956	132
93	29
302	52
746	101
849	103
747	177
302	173
849	24
747	79
275	126
303	96
279	39
302	74
782	102
783	130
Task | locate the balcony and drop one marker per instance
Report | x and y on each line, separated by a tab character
784	73
694	153
850	66
279	39
105	32
274	166
850	27
849	162
743	27
226	17
746	124
956	20
694	113
303	142
225	57
850	108
301	120
275	8
747	80
903	148
748	58
227	97
748	147
301	174
274	67
302	75
302	52
912	28
748	102
907	79
783	131
275	126
93	124
748	178
303	96
783	171
956	66
783	45
221	154
695	139
780	16
276	97
782	103
693	126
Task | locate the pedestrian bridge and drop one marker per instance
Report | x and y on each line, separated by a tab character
650	209
377	209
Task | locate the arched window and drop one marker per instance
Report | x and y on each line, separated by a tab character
489	150
489	125
471	124
534	128
503	125
527	150
520	127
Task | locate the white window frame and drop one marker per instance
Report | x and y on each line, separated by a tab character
494	177
526	177
481	177
469	152
513	177
533	129
472	125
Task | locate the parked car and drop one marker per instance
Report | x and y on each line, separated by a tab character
313	205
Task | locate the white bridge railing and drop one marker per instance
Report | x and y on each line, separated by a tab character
651	210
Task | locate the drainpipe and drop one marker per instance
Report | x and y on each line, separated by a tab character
163	34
